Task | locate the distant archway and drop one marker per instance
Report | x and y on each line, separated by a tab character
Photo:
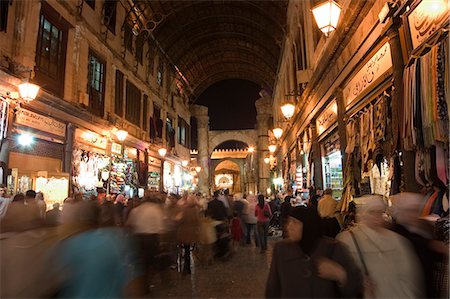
227	174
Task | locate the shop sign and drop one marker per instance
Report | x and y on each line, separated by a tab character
91	138
426	19
41	122
327	118
116	148
378	65
130	153
154	162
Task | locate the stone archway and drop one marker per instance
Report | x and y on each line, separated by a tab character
250	137
209	140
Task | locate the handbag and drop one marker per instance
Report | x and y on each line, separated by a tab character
369	284
266	212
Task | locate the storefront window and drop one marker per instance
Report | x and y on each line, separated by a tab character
168	179
332	170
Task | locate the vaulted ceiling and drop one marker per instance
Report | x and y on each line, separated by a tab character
210	41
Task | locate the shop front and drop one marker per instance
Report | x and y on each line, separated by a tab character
330	150
425	126
90	163
36	156
370	150
125	167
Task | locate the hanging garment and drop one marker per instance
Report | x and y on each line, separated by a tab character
445	202
442	164
419	168
407	124
366	140
429	203
351	136
441	96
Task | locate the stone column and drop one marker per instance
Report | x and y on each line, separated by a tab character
201	114
263	109
317	159
408	169
341	119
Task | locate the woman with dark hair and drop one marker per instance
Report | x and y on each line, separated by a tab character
263	215
307	265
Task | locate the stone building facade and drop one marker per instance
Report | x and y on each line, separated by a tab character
97	75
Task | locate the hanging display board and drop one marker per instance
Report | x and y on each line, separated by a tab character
327	118
40	122
376	69
427	18
90	138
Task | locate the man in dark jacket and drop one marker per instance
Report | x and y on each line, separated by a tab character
216	209
284	210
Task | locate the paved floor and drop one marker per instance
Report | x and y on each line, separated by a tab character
241	276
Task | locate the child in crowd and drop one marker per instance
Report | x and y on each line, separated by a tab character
236	230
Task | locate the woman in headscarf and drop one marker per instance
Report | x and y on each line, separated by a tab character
390	267
307	265
263	215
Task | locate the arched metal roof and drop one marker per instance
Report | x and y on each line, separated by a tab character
210	41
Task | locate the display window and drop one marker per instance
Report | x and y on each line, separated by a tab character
168	178
90	171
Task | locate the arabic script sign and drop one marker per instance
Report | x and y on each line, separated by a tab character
378	65
91	138
427	18
327	118
40	122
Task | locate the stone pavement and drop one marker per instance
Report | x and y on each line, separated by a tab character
243	275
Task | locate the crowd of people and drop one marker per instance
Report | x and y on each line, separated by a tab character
113	246
371	251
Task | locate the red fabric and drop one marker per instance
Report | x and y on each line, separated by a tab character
236	229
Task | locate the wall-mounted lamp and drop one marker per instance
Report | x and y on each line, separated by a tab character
251	149
326	15
198	168
267	160
272	148
162	151
288	105
277	133
184	163
28	91
121	134
288	109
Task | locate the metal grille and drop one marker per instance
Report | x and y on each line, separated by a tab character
40	148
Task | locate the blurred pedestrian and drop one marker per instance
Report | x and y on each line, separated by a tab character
4	200
307	265
52	217
390	267
327	207
250	220
406	208
236	230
